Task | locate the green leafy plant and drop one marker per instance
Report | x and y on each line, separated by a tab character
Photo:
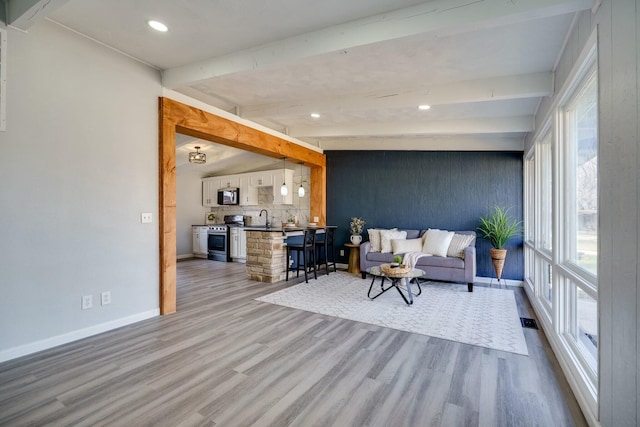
356	225
498	227
397	259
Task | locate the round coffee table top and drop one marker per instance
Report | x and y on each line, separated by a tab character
413	273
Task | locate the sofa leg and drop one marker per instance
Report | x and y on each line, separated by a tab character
364	274
470	287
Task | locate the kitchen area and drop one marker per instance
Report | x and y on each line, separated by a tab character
215	211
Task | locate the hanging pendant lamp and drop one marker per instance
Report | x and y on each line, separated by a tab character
197	157
283	188
301	188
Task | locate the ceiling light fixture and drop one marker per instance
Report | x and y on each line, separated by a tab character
283	188
301	188
424	107
197	157
157	25
315	115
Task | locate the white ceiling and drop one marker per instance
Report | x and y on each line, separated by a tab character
363	65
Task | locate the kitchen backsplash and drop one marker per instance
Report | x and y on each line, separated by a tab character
277	213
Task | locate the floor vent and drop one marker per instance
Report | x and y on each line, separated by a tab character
528	323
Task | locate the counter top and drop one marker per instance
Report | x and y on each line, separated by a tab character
286	229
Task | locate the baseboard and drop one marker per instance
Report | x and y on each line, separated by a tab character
185	256
494	281
48	343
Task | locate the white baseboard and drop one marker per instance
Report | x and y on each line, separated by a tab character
494	281
185	256
48	343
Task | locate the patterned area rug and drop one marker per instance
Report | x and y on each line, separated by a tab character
485	317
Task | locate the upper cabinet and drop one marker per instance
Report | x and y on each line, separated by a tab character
261	179
248	192
210	188
248	183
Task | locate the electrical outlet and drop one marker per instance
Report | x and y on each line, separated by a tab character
146	218
105	298
316	219
341	252
87	302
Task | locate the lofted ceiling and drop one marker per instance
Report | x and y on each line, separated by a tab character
363	65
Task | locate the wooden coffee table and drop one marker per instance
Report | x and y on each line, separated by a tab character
396	282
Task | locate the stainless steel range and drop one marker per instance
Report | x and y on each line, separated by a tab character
218	238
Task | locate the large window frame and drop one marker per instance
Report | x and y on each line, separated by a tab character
563	292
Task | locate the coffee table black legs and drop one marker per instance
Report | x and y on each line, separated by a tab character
395	282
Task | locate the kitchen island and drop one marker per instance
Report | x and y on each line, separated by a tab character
266	251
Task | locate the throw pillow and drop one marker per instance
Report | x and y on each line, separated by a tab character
385	239
374	238
436	242
402	246
458	244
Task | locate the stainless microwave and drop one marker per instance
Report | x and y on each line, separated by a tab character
229	196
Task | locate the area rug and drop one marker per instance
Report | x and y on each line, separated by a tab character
485	317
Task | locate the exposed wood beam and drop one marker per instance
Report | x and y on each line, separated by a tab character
452	143
176	116
498	88
421	127
432	16
24	13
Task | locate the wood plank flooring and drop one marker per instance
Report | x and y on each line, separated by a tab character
226	360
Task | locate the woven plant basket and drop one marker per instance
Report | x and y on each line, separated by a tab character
399	271
497	258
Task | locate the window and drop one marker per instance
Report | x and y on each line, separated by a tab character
581	168
544	163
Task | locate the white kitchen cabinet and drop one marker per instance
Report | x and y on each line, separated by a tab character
231	181
238	244
242	244
200	249
262	179
210	188
234	235
278	178
248	192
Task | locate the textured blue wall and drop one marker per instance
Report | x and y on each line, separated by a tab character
426	189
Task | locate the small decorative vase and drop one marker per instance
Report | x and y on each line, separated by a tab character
356	239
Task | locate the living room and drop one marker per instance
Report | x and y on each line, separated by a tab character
79	162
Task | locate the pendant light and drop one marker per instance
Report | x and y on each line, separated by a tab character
301	188
197	157
283	188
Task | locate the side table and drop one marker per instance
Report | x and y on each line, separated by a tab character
354	258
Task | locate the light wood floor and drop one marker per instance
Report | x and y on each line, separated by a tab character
227	360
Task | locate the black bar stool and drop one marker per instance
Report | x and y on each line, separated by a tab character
305	250
325	247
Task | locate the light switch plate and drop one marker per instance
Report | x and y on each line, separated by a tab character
146	218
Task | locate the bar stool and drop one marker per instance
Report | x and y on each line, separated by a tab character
324	248
308	250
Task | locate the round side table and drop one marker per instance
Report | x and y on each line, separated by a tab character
354	258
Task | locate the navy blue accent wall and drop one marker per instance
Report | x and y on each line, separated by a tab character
426	189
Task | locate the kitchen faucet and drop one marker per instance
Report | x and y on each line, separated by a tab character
266	224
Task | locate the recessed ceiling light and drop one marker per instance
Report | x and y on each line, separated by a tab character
158	26
424	107
315	115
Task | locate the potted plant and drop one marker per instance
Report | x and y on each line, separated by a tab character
498	227
355	227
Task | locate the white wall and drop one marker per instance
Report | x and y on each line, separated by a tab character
618	24
78	164
189	210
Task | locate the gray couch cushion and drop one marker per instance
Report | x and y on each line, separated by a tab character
438	261
380	257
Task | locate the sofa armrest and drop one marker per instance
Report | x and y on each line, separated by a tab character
365	248
470	264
